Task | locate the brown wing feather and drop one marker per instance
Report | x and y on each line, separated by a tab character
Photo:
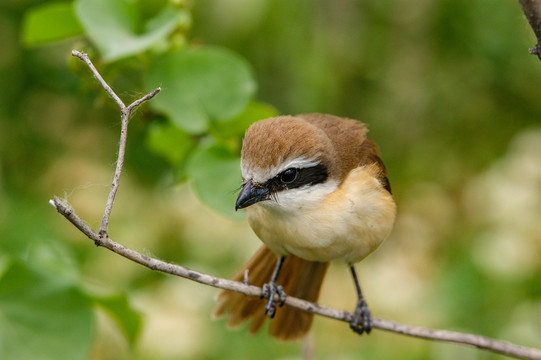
346	135
370	155
352	146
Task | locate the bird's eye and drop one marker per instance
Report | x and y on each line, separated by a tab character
288	176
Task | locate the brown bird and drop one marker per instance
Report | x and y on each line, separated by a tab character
314	190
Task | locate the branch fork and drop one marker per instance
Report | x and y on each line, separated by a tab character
125	112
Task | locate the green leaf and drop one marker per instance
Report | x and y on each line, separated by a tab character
169	142
215	175
113	26
43	318
125	316
236	126
50	22
200	85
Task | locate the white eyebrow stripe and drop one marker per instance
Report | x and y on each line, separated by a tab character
260	175
298	163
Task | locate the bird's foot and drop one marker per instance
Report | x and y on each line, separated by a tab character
269	290
362	319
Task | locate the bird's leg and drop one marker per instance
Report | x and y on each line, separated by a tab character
361	316
270	289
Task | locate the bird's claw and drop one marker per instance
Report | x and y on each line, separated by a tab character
362	317
268	291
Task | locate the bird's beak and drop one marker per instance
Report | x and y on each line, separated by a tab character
250	194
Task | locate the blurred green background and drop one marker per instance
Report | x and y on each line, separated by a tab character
449	92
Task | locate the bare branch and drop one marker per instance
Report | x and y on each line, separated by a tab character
148	96
532	11
125	112
481	342
84	57
101	238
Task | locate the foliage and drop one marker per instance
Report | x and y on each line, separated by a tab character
202	85
36	27
117	30
448	90
43	318
204	88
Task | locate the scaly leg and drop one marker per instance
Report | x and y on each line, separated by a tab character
361	316
270	289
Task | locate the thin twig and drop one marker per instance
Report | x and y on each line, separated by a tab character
532	11
84	57
125	112
148	96
481	342
102	239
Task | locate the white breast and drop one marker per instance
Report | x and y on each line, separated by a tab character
327	222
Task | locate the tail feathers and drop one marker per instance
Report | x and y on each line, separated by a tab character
300	278
240	306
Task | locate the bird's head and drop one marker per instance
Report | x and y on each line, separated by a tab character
288	162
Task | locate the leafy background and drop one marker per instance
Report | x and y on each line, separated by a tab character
449	92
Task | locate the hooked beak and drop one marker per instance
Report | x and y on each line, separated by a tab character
250	194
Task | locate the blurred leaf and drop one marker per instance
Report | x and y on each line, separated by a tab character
169	142
50	22
236	126
215	174
201	85
53	257
125	316
42	317
113	26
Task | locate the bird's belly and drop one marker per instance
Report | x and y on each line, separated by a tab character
321	241
338	229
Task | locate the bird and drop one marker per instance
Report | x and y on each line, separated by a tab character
315	190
